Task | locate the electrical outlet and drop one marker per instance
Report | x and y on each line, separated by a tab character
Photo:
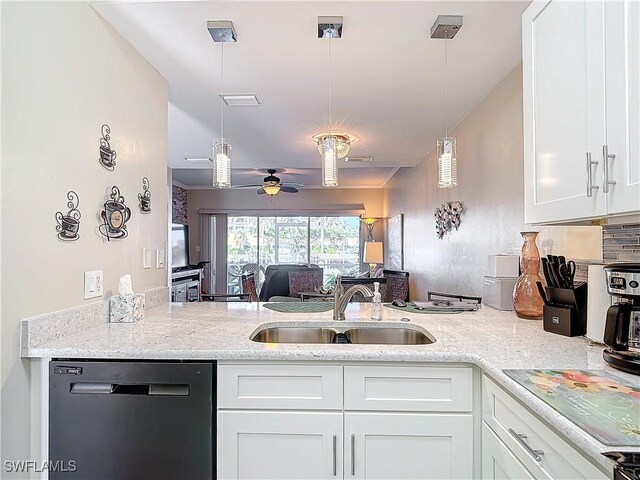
160	258
146	258
197	248
93	284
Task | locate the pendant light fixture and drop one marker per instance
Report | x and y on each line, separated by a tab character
446	27
222	32
331	146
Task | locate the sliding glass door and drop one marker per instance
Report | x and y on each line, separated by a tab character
254	243
242	249
292	240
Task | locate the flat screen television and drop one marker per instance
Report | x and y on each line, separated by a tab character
179	245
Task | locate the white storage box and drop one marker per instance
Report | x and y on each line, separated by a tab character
498	292
504	266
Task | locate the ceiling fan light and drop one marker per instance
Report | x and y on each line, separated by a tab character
222	164
271	189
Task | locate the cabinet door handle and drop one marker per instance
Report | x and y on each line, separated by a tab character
353	454
520	438
335	458
590	186
606	156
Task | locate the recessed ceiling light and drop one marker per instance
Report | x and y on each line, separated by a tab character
198	159
359	159
241	99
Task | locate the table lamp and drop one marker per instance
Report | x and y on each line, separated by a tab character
372	255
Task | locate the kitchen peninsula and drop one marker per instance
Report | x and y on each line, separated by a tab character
469	354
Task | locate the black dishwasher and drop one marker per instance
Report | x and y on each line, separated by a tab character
131	420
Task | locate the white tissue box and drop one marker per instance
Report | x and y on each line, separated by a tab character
126	308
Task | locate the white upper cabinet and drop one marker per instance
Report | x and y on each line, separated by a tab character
580	82
563	109
622	76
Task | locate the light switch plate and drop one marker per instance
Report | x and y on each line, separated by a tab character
146	258
160	258
93	284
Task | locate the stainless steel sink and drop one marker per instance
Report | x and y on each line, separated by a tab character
373	334
387	336
294	335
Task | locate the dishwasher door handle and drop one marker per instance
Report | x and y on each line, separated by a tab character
150	389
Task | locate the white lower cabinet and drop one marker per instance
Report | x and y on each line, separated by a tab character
314	421
408	446
279	445
498	462
539	449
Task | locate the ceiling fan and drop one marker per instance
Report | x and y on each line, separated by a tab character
272	185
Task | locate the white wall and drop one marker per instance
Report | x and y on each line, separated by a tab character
65	72
491	188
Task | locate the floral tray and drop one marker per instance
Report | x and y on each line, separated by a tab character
600	403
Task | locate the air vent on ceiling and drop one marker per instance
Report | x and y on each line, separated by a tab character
359	159
198	159
241	99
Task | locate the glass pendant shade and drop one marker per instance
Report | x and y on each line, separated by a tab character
271	189
222	164
447	167
329	152
342	144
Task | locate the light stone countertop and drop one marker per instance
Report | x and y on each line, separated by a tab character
490	339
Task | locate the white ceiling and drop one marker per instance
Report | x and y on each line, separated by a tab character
362	177
387	77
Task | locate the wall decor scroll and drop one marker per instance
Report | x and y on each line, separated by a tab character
69	224
107	154
115	214
447	217
144	198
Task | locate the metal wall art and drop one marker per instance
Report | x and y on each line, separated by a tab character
144	198
107	154
69	224
447	217
115	214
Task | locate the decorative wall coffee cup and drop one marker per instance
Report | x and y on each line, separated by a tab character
145	203
107	154
144	198
69	224
115	215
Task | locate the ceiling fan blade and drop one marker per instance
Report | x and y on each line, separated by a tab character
288	189
261	191
247	186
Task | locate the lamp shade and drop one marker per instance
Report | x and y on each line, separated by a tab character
372	252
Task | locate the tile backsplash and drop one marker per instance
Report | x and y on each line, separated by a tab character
621	243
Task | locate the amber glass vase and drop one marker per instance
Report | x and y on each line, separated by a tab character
526	300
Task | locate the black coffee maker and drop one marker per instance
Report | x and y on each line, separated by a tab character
622	328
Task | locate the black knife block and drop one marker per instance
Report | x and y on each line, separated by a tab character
566	313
